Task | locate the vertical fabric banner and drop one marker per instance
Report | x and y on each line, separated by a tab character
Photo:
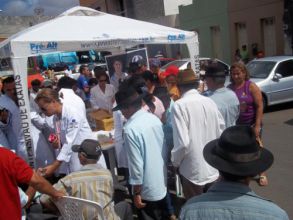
192	46
20	76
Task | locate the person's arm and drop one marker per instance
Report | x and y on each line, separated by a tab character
50	169
137	197
46	200
136	164
30	192
180	136
40	184
257	97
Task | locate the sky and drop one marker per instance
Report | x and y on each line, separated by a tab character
27	7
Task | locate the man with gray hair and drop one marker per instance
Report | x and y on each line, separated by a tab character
226	100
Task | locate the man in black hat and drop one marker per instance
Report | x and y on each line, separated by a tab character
226	99
238	157
92	182
145	146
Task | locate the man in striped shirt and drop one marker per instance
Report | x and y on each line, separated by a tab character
92	182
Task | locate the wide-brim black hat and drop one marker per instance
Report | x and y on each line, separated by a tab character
215	72
237	152
126	97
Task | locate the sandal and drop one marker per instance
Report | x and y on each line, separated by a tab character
263	180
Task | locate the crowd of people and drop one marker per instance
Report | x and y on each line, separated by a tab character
209	134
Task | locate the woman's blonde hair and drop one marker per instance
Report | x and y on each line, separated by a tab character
242	68
47	95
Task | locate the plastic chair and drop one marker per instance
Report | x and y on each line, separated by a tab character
72	208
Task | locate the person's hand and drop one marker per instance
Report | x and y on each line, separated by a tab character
41	171
54	140
56	145
58	194
47	171
137	202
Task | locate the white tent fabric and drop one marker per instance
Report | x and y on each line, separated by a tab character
78	29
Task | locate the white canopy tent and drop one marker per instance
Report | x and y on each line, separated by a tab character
79	29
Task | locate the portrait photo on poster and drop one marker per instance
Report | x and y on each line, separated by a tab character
116	63
140	56
119	63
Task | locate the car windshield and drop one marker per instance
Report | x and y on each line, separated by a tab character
260	69
177	63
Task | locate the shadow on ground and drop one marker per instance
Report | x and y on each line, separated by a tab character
279	107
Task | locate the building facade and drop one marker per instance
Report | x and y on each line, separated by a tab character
226	25
115	7
10	25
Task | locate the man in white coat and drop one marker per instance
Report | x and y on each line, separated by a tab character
196	120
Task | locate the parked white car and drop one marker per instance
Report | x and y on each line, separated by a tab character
274	76
182	64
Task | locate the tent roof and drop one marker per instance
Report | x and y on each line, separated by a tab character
80	28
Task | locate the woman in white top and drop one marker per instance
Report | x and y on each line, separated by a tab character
102	95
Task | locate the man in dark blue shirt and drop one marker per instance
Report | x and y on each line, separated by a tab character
82	81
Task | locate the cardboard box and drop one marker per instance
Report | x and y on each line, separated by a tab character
103	119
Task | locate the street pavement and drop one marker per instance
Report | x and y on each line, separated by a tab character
278	138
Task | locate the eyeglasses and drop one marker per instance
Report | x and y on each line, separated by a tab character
103	80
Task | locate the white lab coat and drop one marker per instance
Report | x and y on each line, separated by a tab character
196	121
68	96
74	129
14	133
33	105
102	100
